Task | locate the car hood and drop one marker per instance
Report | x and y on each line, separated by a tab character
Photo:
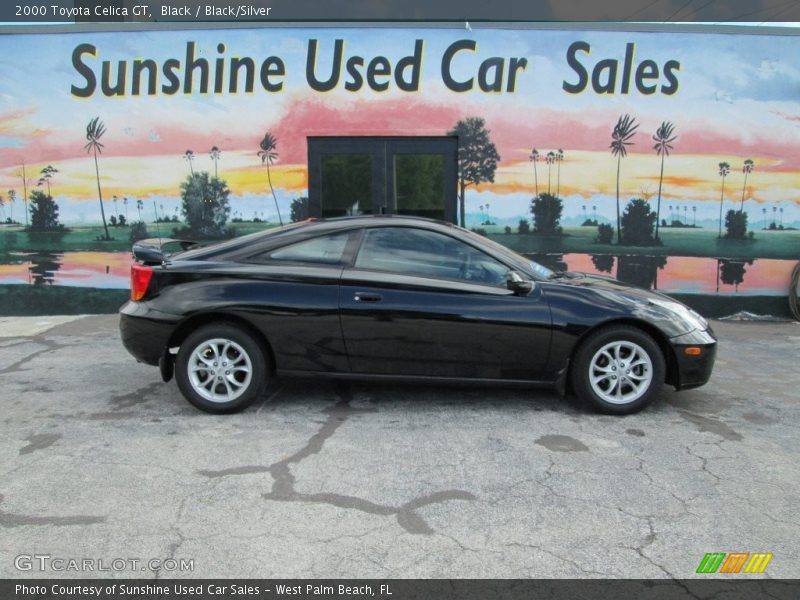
611	296
601	282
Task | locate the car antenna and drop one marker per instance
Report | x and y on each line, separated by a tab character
158	229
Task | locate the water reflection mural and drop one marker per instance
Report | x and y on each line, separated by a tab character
680	275
110	270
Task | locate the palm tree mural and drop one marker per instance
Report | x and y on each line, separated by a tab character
188	156
534	158
94	131
724	169
125	204
12	197
215	153
114	199
747	168
663	139
559	158
139	207
621	137
46	175
268	154
24	191
549	159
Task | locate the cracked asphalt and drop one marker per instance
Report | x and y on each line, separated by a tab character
100	459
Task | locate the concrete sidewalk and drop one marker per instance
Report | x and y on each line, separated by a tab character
99	459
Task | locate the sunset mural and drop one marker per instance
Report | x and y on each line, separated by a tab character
731	98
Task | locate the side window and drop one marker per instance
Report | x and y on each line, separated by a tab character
425	253
323	250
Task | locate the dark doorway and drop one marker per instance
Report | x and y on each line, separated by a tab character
383	175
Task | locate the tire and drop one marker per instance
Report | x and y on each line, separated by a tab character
602	375
238	385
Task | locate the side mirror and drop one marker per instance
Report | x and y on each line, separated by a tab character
518	284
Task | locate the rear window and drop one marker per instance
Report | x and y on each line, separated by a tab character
322	250
215	248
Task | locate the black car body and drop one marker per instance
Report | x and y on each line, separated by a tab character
387	297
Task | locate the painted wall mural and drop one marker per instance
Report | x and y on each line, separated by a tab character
669	160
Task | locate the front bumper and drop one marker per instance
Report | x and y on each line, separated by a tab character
145	332
694	371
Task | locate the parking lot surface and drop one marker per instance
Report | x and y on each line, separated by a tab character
101	460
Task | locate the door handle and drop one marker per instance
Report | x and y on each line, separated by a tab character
367	297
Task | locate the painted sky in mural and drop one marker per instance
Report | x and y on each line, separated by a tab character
731	97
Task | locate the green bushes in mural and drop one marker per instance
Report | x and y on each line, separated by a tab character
638	224
299	209
605	234
736	225
205	207
546	210
138	232
44	213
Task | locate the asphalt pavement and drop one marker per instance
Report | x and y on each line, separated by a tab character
101	461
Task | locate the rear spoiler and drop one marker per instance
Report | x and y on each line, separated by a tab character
154	251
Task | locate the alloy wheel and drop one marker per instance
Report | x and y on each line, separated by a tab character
620	372
219	370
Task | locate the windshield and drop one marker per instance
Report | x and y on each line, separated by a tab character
517	261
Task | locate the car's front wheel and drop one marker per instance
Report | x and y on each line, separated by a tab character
618	370
220	368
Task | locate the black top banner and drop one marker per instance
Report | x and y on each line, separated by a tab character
659	11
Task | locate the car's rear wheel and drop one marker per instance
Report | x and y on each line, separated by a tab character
220	368
618	370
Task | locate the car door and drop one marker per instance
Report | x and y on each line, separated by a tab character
417	302
293	297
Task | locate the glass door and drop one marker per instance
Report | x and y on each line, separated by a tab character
386	175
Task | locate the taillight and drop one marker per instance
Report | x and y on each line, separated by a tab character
140	279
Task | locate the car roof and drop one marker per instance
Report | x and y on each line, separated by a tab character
279	236
374	221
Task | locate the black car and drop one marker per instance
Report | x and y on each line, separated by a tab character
398	298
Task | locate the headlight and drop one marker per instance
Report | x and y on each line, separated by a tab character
692	317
